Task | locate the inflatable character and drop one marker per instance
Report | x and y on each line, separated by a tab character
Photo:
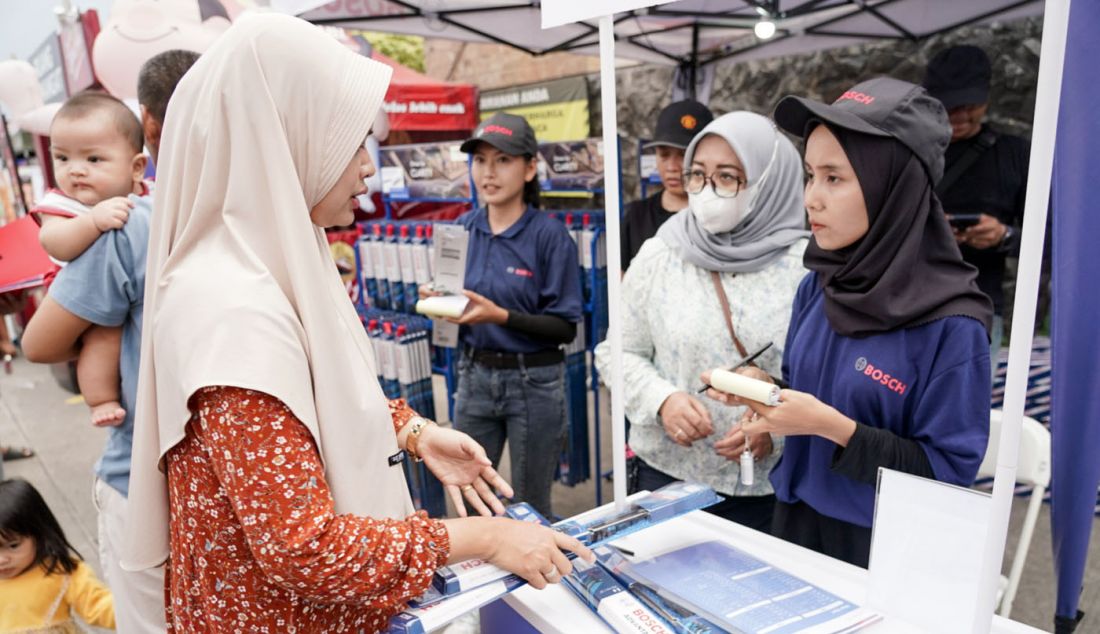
140	29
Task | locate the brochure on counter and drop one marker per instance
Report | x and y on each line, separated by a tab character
735	592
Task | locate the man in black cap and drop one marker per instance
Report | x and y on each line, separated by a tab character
985	174
677	125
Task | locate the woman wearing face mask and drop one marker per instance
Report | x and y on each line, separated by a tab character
888	353
744	233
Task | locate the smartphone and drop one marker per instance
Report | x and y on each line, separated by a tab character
962	221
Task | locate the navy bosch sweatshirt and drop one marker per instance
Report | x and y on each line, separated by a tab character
920	395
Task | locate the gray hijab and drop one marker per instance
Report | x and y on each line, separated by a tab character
776	219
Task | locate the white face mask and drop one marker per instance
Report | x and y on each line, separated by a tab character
719	215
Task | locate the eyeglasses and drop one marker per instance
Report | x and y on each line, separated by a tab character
726	184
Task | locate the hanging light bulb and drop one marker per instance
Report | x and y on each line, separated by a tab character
764	29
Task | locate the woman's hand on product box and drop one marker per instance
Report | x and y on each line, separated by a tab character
530	550
535	552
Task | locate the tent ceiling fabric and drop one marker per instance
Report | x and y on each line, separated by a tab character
668	34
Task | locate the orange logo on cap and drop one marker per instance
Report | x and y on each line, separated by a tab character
689	122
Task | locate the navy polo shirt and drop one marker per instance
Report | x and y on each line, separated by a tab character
529	268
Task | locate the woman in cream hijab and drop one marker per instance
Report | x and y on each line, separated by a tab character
261	468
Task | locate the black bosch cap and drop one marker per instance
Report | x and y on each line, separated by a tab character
508	133
885	107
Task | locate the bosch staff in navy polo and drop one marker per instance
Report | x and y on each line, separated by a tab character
531	268
887	352
523	282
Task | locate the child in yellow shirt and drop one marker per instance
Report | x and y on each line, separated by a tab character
43	581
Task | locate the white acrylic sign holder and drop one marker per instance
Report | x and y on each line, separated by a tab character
926	553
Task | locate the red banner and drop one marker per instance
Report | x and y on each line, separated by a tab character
418	102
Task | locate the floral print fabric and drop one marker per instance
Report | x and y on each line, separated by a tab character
256	545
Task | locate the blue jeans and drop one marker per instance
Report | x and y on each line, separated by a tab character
526	407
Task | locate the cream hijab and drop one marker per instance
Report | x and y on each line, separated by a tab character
240	287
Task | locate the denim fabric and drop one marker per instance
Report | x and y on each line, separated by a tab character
526	407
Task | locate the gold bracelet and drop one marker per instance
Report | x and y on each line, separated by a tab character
412	441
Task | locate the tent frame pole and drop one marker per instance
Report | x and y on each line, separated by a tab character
1049	92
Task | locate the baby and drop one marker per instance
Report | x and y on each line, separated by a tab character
96	144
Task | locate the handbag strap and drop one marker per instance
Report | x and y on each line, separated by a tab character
985	140
717	279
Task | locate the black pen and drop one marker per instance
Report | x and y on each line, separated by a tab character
747	360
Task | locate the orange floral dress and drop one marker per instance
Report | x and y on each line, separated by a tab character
255	543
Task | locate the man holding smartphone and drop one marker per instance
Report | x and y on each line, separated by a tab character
985	173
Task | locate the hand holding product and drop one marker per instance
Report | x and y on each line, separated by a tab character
440	306
744	386
744	363
480	310
798	414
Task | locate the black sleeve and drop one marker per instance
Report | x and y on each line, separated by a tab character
550	327
626	252
1021	154
871	448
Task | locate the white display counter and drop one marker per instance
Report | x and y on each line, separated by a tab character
557	611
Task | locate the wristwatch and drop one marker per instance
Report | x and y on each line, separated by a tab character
1010	231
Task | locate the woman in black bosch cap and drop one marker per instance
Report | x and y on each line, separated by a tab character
523	283
887	354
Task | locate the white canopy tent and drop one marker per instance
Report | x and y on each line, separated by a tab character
687	33
695	33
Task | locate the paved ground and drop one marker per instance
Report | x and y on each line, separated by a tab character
36	412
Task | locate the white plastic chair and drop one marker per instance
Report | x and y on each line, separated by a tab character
1033	469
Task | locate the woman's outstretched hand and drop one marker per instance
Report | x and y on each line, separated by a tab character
464	469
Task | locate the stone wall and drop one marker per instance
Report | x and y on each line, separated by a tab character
1013	48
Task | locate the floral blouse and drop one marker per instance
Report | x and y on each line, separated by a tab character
255	543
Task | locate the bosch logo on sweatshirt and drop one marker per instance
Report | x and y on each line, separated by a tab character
877	375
